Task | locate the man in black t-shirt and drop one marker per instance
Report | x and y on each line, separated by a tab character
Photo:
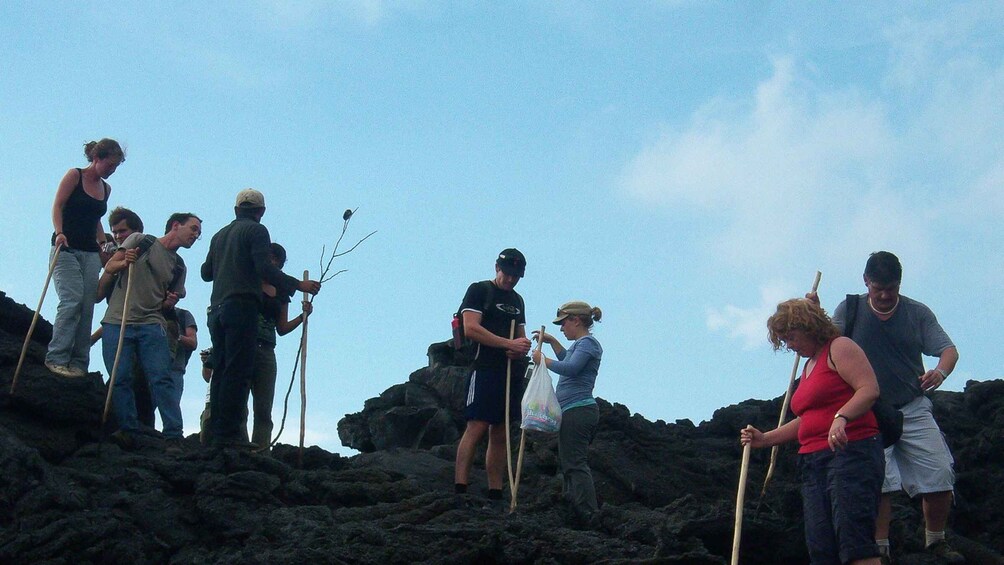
490	329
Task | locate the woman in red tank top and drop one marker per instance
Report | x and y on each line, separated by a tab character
840	454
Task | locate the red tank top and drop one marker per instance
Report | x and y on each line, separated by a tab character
820	395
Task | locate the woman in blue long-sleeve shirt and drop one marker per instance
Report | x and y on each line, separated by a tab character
577	366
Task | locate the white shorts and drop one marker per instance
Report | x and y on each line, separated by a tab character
920	462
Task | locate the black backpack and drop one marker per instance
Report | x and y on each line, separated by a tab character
890	420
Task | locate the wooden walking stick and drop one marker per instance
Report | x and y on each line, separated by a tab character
784	410
34	320
508	381
303	379
743	468
118	349
522	438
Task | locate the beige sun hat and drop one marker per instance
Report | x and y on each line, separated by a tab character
573	308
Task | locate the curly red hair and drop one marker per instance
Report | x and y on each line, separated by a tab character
800	314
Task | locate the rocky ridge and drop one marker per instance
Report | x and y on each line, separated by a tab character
67	495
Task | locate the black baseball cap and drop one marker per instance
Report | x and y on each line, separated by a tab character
512	262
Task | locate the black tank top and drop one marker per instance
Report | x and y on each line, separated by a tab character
81	215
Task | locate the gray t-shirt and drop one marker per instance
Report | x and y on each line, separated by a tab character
152	273
895	347
179	361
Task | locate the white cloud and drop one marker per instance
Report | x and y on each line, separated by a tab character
796	169
749	324
775	174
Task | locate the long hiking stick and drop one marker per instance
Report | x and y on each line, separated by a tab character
34	320
118	349
303	379
784	410
737	536
508	383
522	439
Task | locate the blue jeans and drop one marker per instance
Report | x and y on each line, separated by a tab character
76	280
147	344
178	383
233	327
840	498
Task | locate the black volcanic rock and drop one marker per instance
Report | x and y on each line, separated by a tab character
668	490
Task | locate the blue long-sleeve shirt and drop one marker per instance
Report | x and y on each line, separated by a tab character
577	368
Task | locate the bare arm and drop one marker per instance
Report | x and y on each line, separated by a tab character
473	329
946	364
283	325
784	434
103	283
99	234
63	192
853	367
120	260
188	339
549	339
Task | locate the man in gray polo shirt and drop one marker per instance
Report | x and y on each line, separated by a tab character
895	332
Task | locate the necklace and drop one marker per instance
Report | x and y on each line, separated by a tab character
881	313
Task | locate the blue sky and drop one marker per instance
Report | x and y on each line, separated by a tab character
682	165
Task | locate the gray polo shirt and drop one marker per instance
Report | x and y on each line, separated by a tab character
895	347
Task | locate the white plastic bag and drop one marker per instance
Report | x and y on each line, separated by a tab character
541	410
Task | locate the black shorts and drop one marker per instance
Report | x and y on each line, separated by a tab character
486	395
840	499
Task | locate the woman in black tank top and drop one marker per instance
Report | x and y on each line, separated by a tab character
81	201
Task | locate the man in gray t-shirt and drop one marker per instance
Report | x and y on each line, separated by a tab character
895	332
158	281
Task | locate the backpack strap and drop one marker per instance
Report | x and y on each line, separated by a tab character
179	269
489	296
850	313
145	244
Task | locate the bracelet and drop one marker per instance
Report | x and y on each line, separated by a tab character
839	415
944	375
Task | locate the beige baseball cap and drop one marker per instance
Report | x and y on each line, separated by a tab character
574	308
250	198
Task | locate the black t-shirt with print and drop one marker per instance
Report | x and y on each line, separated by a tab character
505	306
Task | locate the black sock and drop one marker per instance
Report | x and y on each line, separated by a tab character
460	488
494	494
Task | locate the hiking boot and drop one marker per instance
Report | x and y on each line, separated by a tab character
77	372
123	439
61	370
945	552
173	446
